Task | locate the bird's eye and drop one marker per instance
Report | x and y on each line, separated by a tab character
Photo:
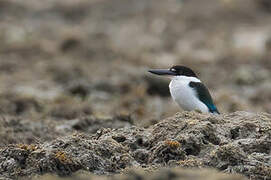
173	70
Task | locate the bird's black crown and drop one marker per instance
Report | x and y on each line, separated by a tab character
182	71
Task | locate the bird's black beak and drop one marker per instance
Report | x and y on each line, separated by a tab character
162	72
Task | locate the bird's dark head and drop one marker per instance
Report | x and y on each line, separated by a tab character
175	71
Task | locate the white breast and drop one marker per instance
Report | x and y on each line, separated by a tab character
184	95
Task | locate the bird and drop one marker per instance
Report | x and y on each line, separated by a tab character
187	89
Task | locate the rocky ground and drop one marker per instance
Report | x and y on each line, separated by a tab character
173	173
239	142
75	93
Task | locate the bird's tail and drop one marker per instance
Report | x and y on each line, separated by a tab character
214	110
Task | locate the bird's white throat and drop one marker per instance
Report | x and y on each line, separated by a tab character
185	78
185	95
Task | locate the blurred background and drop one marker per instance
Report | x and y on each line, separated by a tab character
64	59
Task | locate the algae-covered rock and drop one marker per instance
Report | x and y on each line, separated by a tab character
234	143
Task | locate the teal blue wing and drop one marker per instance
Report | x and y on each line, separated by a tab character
204	96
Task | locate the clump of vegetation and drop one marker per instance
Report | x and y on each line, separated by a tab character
172	144
28	147
62	157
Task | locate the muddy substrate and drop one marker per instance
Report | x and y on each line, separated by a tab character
164	174
239	142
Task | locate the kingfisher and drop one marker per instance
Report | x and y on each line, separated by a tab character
187	90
